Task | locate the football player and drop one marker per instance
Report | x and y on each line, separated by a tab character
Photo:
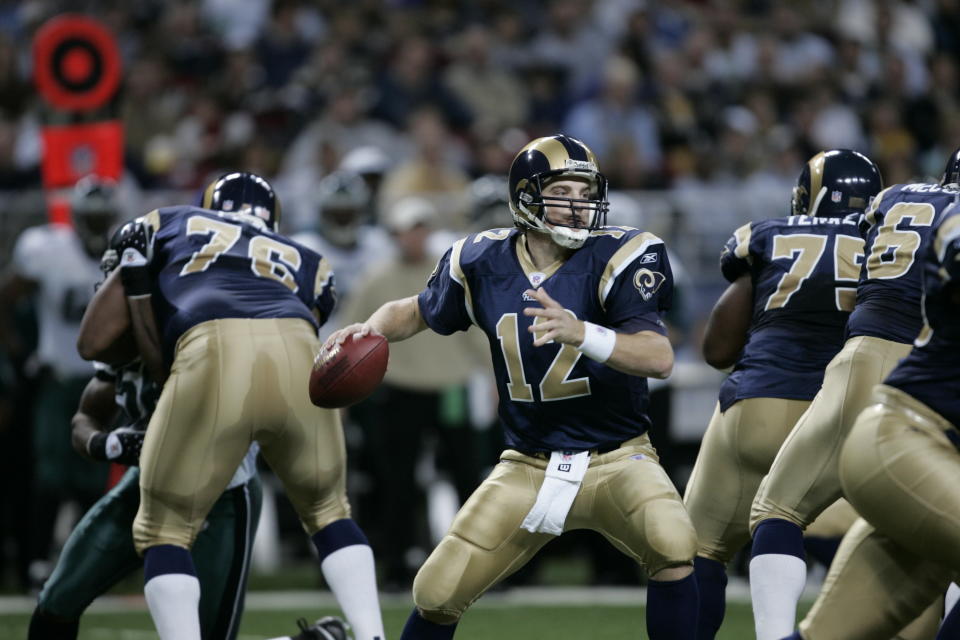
803	479
779	323
900	465
100	550
237	312
571	310
59	263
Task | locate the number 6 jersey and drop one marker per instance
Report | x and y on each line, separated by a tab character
207	265
552	397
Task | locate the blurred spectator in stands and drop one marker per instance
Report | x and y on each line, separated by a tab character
548	99
422	405
886	23
238	23
617	115
834	124
433	172
15	93
189	46
410	81
493	94
284	44
801	56
571	40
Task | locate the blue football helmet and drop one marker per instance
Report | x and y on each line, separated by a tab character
243	192
835	183
551	158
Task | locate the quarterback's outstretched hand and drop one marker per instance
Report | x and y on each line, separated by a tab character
552	322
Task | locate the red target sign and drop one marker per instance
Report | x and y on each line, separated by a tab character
77	63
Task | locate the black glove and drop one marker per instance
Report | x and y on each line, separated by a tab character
122	445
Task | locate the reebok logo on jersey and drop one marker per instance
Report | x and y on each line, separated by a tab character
647	258
648	282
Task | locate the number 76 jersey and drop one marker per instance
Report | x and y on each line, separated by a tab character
208	265
552	397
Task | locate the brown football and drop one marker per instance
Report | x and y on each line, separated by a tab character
348	373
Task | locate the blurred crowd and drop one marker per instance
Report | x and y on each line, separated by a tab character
379	119
667	93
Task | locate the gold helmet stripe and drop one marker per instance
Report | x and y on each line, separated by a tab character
554	151
207	201
816	180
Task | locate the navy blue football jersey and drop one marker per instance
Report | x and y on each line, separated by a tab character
931	372
895	227
208	265
804	272
552	397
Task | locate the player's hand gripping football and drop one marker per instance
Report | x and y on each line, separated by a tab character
552	322
357	330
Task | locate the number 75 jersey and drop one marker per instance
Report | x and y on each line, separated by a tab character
208	265
552	397
804	274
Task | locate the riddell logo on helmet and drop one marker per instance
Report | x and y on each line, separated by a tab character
581	165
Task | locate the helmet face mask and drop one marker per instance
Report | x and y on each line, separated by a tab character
343	199
544	162
835	182
94	209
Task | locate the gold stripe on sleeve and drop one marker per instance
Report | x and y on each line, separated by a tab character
620	260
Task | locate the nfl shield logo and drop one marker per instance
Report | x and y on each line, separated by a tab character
836	196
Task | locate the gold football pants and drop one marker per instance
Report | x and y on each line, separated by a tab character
625	495
736	452
803	480
901	472
234	381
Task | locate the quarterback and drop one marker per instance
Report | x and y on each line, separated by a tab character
900	465
235	311
571	310
779	323
803	479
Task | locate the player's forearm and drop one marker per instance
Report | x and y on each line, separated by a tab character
83	428
147	336
103	330
645	353
399	319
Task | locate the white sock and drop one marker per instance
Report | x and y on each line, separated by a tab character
350	573
173	599
950	599
776	582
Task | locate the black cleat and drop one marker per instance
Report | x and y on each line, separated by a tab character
327	628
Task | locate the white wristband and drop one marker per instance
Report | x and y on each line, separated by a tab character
598	342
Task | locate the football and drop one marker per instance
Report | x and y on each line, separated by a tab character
348	373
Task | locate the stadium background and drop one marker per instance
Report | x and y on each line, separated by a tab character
701	114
